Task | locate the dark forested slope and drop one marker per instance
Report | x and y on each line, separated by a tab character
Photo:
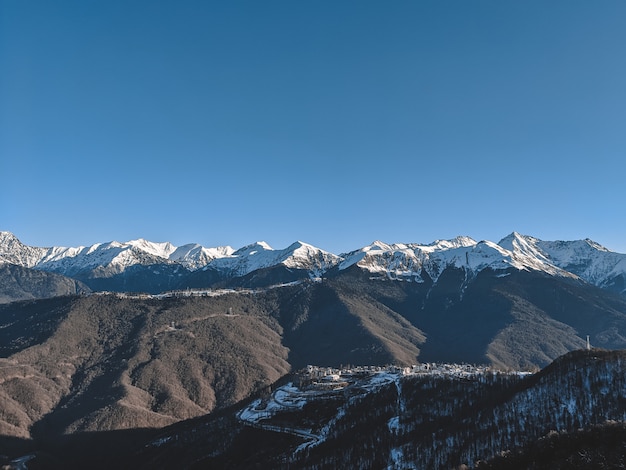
430	422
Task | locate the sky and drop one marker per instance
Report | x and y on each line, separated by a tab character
332	122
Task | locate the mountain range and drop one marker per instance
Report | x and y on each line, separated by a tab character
144	266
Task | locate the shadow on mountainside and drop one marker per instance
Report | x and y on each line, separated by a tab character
327	324
94	450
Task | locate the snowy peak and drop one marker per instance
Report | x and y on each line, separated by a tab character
301	255
300	251
516	241
397	260
15	252
595	245
457	242
253	249
194	256
260	255
584	258
482	255
160	250
525	250
378	245
524	245
406	261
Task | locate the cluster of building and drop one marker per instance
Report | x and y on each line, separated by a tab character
178	294
329	377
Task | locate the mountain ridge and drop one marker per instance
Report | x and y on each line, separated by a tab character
584	259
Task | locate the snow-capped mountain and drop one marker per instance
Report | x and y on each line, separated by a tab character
15	252
112	256
193	256
260	255
584	259
408	261
118	256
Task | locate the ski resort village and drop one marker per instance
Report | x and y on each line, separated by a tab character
345	385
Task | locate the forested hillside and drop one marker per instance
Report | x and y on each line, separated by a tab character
430	421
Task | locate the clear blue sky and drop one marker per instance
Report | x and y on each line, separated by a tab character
332	122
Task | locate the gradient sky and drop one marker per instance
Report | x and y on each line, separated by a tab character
331	122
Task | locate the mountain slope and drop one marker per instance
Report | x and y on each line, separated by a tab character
509	318
106	362
19	283
329	323
119	363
